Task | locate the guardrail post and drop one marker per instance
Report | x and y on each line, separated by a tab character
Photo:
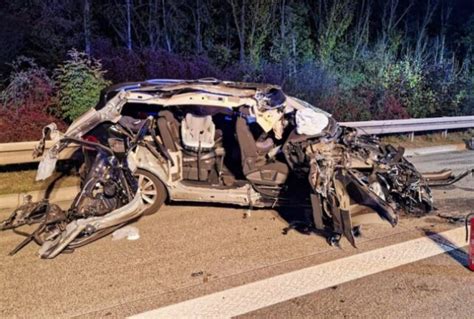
412	136
445	134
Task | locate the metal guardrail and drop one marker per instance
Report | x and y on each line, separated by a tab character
19	153
411	125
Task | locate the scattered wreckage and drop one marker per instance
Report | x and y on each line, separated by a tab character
217	142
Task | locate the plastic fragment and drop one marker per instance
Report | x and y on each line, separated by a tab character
129	232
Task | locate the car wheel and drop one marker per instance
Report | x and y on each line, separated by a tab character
153	191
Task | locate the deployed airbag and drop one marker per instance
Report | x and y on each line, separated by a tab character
310	122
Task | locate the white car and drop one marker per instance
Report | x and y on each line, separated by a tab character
237	143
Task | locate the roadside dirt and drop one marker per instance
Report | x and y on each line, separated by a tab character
24	181
427	140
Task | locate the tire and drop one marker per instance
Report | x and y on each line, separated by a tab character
153	190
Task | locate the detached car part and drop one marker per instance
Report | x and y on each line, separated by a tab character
109	197
445	177
218	142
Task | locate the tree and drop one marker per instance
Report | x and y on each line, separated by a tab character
56	28
253	24
29	86
422	39
338	53
239	15
87	27
390	35
79	81
260	27
120	15
336	17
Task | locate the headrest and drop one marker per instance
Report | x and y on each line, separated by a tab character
198	131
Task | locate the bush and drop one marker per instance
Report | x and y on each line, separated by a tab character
124	66
79	81
25	124
121	64
27	101
29	86
436	90
162	64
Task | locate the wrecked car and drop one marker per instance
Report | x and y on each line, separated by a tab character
213	141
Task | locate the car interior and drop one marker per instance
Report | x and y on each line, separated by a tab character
207	138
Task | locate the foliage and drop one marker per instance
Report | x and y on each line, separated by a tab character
26	102
432	91
80	80
337	19
29	86
25	124
362	59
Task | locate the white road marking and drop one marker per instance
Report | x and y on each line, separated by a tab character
270	291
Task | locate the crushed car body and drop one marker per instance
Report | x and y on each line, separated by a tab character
218	142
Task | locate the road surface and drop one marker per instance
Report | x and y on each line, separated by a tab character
187	252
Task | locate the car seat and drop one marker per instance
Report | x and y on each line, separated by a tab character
198	132
202	158
254	163
168	128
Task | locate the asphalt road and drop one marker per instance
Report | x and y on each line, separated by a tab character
189	251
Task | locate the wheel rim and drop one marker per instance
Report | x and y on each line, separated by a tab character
148	189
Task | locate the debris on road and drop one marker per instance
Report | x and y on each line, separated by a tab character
129	232
445	177
197	274
453	217
205	275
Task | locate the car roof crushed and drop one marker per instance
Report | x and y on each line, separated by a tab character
170	88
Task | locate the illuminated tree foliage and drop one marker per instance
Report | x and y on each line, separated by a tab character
79	80
359	59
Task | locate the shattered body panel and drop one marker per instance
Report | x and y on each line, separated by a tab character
355	179
218	142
